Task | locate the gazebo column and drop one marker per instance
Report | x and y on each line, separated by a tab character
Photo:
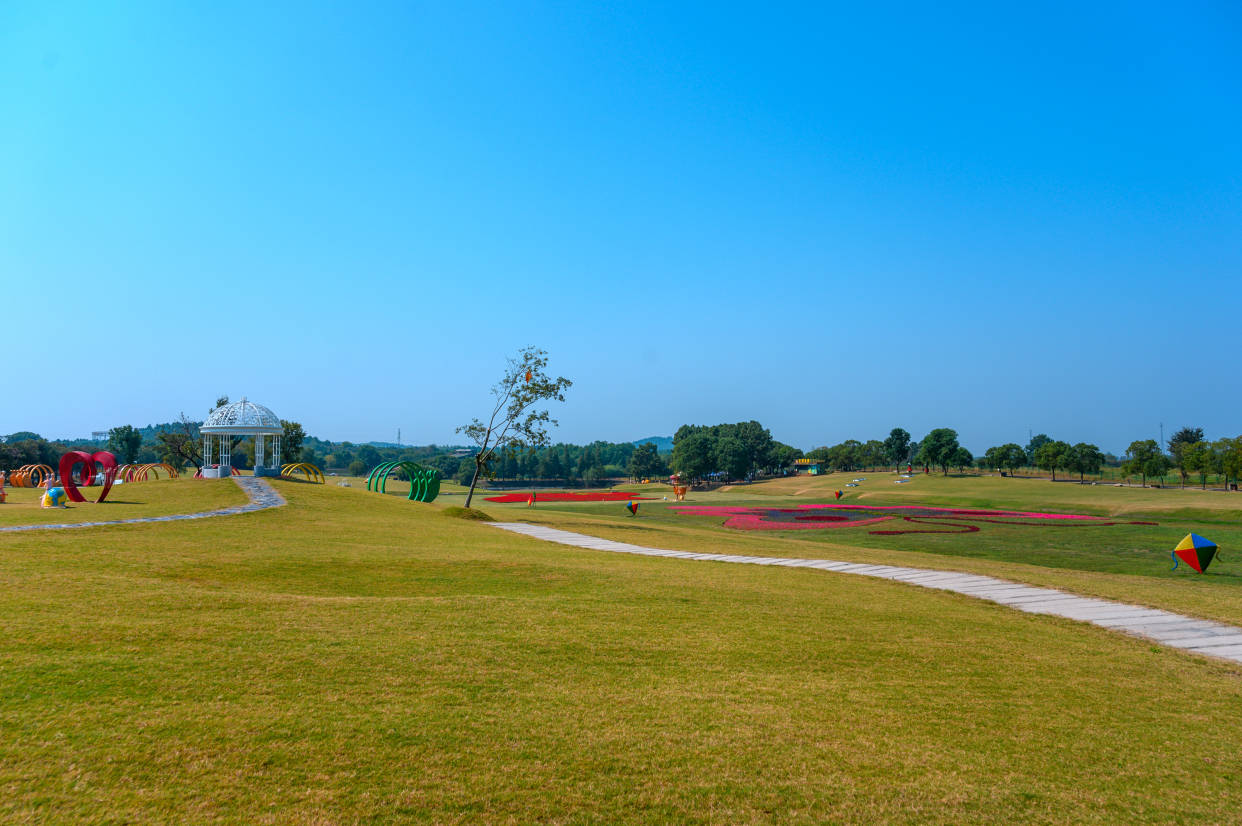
258	451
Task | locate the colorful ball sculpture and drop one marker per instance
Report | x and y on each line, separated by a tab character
55	498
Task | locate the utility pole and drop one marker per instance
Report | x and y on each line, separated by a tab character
1162	436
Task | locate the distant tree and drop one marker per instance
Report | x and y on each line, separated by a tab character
1004	457
465	471
595	475
1051	455
124	442
818	454
369	455
220	402
357	468
291	441
1013	457
732	457
1228	455
1197	458
783	456
756	443
938	447
551	467
1036	442
514	421
309	456
22	436
897	446
694	456
1178	443
180	447
508	465
645	462
1084	458
846	456
1186	436
1144	457
874	454
961	458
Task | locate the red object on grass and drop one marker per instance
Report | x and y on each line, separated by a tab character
601	496
105	460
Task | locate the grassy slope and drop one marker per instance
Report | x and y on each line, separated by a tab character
126	501
347	659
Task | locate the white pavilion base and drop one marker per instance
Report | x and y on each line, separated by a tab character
222	472
267	471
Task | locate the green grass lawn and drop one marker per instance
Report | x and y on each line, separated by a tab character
359	658
125	501
1125	562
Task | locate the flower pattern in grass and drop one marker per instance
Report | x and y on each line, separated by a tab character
911	518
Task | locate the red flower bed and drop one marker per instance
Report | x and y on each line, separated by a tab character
598	496
942	520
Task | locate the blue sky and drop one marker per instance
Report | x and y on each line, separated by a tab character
832	219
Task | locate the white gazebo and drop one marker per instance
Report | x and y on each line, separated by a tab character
243	418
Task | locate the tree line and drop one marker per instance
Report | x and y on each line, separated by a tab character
726	452
729	451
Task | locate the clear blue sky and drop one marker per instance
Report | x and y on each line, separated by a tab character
834	220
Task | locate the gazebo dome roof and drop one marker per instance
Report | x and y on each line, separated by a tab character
243	417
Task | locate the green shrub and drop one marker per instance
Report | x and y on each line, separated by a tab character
456	512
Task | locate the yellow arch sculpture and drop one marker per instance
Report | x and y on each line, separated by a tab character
141	473
312	473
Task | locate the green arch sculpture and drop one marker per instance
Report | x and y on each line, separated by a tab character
424	482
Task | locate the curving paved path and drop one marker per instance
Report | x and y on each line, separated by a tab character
1200	636
262	496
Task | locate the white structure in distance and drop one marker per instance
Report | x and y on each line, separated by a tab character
243	418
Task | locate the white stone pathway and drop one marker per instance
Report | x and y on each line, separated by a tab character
262	496
1200	636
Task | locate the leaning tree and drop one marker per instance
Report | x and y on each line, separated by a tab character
514	423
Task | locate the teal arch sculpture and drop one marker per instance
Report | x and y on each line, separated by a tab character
424	482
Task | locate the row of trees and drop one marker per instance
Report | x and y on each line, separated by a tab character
1190	453
939	448
729	451
1050	455
564	463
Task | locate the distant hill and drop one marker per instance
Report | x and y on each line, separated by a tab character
664	444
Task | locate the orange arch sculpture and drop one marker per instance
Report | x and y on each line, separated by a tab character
30	476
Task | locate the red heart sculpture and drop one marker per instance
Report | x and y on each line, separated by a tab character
105	459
